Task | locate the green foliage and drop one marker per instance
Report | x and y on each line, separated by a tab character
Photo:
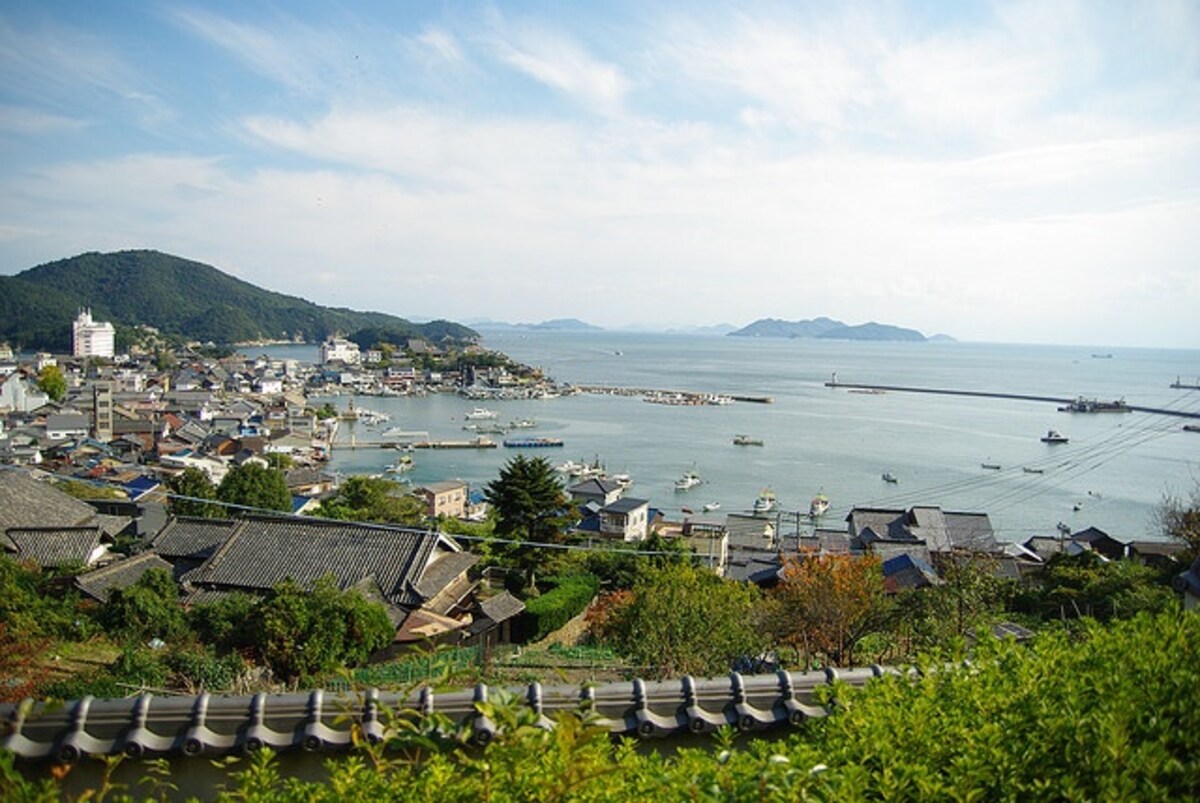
552	610
1080	585
197	667
299	634
36	604
178	297
225	622
326	411
971	597
373	499
147	609
530	504
680	619
195	486
87	490
52	382
251	485
1179	520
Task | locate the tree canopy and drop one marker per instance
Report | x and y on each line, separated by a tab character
52	382
252	485
189	489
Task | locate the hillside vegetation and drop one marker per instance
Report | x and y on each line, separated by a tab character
178	297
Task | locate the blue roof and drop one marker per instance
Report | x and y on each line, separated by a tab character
141	485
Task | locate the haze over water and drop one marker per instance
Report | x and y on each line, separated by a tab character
1117	467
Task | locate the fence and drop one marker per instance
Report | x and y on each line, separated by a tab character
207	724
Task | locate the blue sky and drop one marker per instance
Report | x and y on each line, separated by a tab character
1021	172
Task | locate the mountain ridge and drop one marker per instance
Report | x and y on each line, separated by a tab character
179	297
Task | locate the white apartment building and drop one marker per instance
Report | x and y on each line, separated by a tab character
92	338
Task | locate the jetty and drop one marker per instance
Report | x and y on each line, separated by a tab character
1069	405
673	397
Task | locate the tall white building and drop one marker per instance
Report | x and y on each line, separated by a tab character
335	349
92	338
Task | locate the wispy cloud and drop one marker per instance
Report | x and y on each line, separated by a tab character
24	120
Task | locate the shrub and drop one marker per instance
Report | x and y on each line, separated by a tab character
552	610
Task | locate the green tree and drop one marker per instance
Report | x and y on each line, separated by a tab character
52	382
529	504
251	485
189	489
149	608
373	499
301	634
681	619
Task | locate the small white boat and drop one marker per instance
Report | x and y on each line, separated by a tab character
765	502
570	468
711	506
481	414
689	480
1054	436
818	505
624	480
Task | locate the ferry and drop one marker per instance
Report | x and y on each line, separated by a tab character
818	506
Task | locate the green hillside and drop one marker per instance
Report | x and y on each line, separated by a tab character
178	297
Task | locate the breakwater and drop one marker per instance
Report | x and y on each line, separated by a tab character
677	397
988	394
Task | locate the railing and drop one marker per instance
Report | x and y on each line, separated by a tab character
318	721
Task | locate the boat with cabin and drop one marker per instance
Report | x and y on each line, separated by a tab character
1054	436
765	502
890	478
689	480
745	440
818	506
400	465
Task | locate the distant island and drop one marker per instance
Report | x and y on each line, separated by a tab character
555	325
183	298
829	329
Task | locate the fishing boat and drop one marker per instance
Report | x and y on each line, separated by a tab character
481	414
1032	470
711	506
889	477
990	466
765	502
818	505
745	440
1054	436
689	480
624	480
570	468
402	464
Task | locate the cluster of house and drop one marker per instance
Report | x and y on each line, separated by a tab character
914	545
423	579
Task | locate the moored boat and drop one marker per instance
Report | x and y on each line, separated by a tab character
765	502
689	480
481	414
711	506
1054	436
532	443
745	440
889	477
818	506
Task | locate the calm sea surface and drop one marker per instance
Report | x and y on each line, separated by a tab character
1116	468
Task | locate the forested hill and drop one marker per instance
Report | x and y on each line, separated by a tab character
826	329
178	297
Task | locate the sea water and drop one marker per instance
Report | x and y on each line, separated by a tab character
1113	474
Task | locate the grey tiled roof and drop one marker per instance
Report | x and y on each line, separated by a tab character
443	571
53	546
263	552
501	607
193	538
939	531
121	574
26	502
